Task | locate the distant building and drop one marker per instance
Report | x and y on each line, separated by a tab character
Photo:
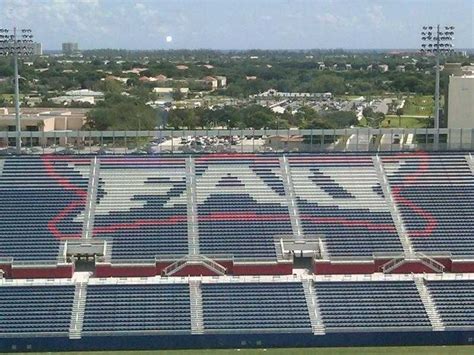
400	68
210	82
83	95
70	47
161	77
383	68
44	120
134	71
272	93
221	81
37	48
168	92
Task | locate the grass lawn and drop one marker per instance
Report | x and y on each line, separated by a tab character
406	122
11	96
423	350
418	106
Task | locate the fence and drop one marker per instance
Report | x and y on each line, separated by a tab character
238	141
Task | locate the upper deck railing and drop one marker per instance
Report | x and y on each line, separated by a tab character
239	141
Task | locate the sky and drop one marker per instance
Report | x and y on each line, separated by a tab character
237	24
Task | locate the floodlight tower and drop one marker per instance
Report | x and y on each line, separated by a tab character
16	45
438	41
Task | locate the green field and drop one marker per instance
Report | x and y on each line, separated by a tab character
406	122
428	350
10	96
418	106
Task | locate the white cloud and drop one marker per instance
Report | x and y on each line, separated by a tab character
376	15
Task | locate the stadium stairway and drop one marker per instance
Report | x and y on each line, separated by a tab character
79	304
92	187
291	199
313	307
197	323
470	161
428	302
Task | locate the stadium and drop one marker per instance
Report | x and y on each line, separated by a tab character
238	250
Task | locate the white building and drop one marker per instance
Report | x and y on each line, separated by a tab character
70	48
221	81
383	68
461	110
82	95
164	91
37	48
461	101
84	92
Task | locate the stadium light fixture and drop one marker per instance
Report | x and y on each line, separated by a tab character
16	43
438	41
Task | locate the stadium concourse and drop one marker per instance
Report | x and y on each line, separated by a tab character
234	250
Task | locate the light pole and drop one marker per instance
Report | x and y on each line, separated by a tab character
16	45
437	40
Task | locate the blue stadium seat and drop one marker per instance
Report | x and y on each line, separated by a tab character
141	207
341	201
35	309
454	301
435	196
242	206
32	200
370	304
255	306
145	307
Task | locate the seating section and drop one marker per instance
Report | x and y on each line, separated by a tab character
435	196
35	309
370	305
42	200
232	307
141	207
242	207
255	306
341	201
157	308
454	301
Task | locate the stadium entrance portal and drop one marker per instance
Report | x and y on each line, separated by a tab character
303	263
85	263
84	254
